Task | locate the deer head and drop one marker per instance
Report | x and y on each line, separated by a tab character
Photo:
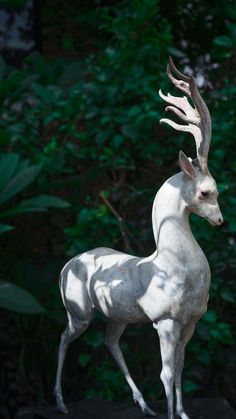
200	191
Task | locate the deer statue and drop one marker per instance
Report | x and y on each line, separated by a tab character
170	287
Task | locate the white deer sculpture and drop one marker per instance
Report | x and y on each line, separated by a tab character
170	287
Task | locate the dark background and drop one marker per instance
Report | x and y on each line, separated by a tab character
79	121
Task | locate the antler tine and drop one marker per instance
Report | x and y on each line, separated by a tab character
181	82
188	113
205	118
197	117
176	72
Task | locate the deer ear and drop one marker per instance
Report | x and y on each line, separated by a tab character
186	165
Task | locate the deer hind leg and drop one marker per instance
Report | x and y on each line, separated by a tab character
113	334
79	312
169	334
74	329
186	335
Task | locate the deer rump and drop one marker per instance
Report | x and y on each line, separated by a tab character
105	280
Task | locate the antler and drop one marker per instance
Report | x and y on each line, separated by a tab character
198	118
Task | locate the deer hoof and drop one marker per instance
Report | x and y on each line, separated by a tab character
145	409
61	406
63	409
182	415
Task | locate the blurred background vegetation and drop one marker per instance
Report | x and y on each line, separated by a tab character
80	143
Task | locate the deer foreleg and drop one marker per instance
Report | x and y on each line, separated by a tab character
114	332
169	334
186	335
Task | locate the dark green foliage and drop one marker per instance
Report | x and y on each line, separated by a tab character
16	299
15	175
82	129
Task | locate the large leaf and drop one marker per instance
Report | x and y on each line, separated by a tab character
5	227
19	182
8	165
210	316
17	299
189	386
223	41
176	52
46	201
18	209
37	204
129	131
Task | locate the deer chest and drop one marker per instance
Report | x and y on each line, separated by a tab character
190	300
180	291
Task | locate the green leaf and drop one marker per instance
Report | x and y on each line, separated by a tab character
210	316
118	140
130	132
17	299
105	119
19	182
204	357
203	330
227	295
84	359
135	110
223	41
37	204
102	136
68	44
40	91
8	165
18	209
232	226
215	334
94	338
176	52
5	227
45	201
189	386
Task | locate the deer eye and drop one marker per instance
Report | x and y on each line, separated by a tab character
204	194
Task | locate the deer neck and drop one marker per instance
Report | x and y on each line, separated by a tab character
170	215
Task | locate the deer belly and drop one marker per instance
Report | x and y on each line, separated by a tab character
115	300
